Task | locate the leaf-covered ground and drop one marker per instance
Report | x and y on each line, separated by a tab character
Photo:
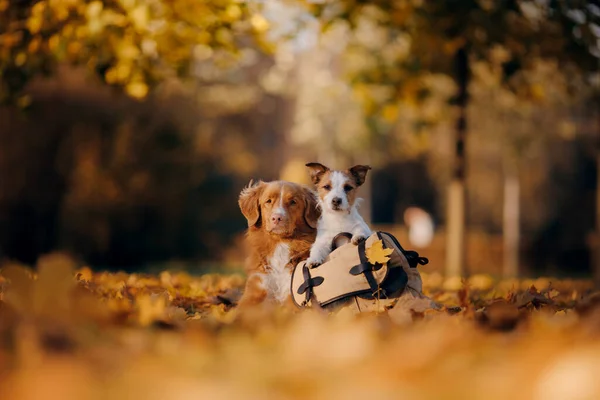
74	334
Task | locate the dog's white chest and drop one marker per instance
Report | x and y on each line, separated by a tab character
278	278
340	222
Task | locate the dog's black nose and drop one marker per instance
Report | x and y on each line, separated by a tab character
336	201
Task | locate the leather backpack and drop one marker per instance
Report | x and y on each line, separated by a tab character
347	276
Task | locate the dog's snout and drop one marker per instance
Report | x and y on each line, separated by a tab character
276	218
336	201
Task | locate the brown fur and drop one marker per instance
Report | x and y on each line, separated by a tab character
298	230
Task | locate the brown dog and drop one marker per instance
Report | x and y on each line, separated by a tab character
282	220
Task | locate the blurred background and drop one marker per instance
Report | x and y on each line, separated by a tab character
129	127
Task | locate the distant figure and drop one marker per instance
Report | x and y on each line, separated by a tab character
420	227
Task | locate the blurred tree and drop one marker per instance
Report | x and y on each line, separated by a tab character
131	182
130	44
511	130
124	183
445	37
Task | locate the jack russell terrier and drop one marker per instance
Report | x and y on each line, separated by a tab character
339	208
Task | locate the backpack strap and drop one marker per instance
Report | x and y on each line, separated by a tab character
412	257
334	242
309	283
366	268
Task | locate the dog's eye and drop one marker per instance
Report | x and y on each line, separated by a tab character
327	187
293	202
348	188
268	201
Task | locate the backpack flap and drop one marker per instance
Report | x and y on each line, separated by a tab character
345	272
407	261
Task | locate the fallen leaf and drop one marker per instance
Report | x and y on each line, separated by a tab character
150	308
376	254
499	315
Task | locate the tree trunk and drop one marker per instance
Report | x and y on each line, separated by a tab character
596	236
511	222
455	232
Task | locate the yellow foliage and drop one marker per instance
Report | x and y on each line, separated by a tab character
259	23
139	16
537	91
376	254
94	9
153	39
85	274
20	59
232	13
34	24
390	113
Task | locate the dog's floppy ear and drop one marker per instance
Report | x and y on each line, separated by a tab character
359	172
316	171
311	210
248	202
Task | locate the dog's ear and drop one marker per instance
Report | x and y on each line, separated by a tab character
359	172
248	202
311	210
316	171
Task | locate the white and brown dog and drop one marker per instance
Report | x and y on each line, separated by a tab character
339	208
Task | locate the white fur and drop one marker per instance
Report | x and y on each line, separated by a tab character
333	222
280	208
338	180
277	280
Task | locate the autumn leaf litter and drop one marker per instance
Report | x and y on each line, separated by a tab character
69	333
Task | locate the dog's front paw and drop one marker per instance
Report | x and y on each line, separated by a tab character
356	239
312	263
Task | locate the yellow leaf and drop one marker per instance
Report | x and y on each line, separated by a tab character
20	59
139	16
150	308
34	24
537	91
138	90
34	45
84	274
52	290
553	293
203	37
74	48
54	42
61	14
481	282
223	36
376	254
20	288
119	73
390	113
202	52
94	9
128	51
259	23
233	13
